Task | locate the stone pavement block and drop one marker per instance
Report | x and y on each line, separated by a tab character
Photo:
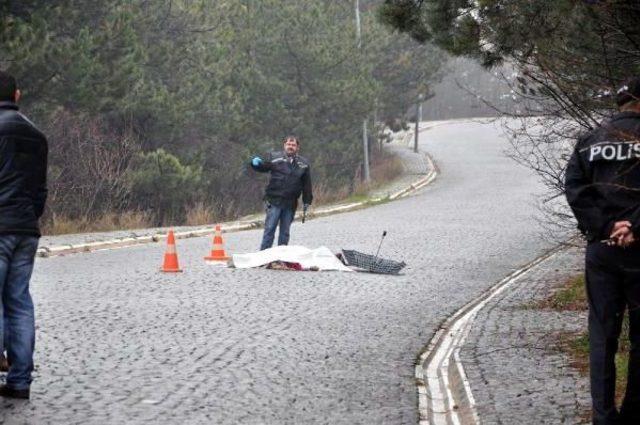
516	372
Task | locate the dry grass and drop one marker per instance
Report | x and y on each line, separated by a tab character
323	195
199	214
385	168
60	225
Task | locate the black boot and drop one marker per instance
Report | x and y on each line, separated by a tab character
11	393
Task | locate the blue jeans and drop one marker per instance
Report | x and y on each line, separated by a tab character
275	215
17	254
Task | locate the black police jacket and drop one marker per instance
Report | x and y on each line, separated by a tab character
290	177
23	172
602	179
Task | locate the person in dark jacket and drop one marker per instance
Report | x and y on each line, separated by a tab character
602	185
290	177
23	192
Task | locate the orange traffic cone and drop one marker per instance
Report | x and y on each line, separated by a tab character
171	256
217	253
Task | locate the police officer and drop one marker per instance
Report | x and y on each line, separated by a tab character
602	185
290	177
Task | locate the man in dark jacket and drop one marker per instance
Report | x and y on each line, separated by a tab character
23	192
602	185
290	177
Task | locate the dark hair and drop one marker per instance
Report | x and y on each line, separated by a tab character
291	137
8	87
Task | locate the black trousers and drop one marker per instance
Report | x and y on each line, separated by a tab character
613	284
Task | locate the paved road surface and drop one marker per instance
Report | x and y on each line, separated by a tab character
119	342
517	370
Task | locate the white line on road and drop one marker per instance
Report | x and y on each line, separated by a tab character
444	393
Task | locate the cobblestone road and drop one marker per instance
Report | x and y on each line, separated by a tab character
517	373
118	342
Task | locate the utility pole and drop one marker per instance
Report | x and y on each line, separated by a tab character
418	119
365	142
358	26
376	130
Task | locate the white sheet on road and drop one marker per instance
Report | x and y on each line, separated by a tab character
321	257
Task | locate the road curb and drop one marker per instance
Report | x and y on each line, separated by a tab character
235	226
444	393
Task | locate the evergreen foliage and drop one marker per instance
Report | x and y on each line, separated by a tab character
570	57
199	86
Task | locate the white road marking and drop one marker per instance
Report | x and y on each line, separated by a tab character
439	402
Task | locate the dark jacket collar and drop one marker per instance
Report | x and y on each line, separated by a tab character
5	104
287	157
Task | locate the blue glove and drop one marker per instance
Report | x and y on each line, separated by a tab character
256	161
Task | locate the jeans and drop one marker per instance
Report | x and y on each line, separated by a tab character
613	284
17	254
275	215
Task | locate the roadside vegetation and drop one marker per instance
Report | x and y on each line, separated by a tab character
565	60
152	108
385	167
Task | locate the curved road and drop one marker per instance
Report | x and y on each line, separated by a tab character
119	342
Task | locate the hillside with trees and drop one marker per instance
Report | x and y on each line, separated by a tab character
152	108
